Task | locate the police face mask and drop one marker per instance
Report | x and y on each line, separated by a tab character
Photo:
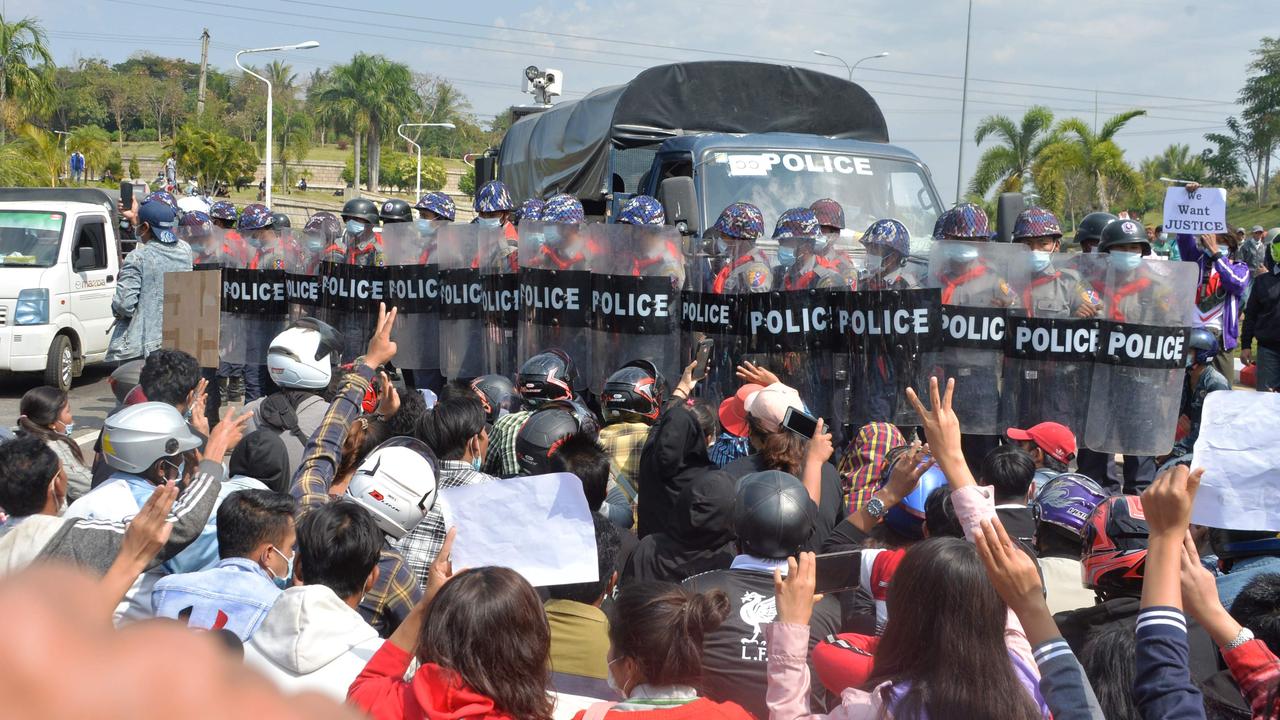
354	227
874	262
1124	261
552	236
492	222
425	228
314	243
1040	261
786	256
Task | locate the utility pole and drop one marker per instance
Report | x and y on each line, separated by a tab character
204	68
964	104
1095	111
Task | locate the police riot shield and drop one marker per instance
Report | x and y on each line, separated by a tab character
349	298
714	312
636	284
1140	365
885	330
413	288
500	278
255	304
461	326
976	282
1051	341
555	291
791	330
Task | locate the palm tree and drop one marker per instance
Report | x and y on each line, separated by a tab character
1176	161
368	95
284	82
44	152
23	47
1008	165
1094	154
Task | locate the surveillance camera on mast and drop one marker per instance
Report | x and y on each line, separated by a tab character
543	84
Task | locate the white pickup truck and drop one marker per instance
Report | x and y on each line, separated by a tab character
59	259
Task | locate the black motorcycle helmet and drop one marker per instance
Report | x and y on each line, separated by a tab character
547	376
280	221
546	430
772	515
1090	227
1124	232
498	394
361	209
396	211
636	392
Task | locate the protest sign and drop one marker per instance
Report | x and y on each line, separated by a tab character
544	529
1193	213
1239	434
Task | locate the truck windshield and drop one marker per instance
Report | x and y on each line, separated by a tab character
869	188
30	239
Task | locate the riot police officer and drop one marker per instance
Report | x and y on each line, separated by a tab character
652	256
322	241
562	247
395	210
799	265
364	247
745	269
258	225
1089	231
493	204
197	229
888	245
434	209
1051	292
235	250
966	278
530	209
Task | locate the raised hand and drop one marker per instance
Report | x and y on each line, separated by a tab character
907	470
821	446
381	347
1167	503
226	435
752	373
942	430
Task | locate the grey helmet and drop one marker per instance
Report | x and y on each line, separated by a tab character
137	436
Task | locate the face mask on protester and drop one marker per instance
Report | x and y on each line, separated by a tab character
1124	261
283	581
1040	260
68	428
613	683
354	227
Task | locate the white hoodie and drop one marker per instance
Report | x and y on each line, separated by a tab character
312	640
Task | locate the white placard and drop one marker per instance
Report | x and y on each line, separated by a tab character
1239	448
749	165
1203	211
539	526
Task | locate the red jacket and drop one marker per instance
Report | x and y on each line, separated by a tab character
434	693
1256	670
700	709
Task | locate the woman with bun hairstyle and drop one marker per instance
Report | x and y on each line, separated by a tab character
655	655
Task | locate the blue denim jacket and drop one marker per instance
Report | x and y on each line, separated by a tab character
236	586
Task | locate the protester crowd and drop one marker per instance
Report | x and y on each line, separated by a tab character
305	538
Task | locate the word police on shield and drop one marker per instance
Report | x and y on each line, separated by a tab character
1202	211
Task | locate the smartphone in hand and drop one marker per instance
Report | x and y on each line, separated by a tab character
702	358
837	571
800	423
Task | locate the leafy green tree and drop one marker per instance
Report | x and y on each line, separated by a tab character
467	183
1007	166
94	143
24	47
1260	97
212	153
134	172
1095	155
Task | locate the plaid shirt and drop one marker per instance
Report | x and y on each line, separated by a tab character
501	458
624	441
395	593
421	546
727	448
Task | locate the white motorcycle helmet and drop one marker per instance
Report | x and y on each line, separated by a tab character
397	484
193	203
137	436
302	357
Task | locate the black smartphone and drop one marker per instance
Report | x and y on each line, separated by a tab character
800	423
126	195
837	571
702	357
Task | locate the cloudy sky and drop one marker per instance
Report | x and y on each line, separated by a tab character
1184	62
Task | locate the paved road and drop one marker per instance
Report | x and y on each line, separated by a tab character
91	398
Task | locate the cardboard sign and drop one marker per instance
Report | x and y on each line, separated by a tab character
1202	211
192	314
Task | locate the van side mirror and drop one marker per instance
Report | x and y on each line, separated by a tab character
681	204
85	258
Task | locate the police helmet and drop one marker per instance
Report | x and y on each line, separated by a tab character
255	217
888	233
494	197
1091	226
563	209
1124	232
830	214
438	203
325	225
530	209
740	221
1036	222
222	210
396	210
642	210
361	209
797	224
965	221
280	221
194	225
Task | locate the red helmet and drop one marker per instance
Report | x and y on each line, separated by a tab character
1115	546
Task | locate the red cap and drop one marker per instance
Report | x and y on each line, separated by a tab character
733	410
1051	437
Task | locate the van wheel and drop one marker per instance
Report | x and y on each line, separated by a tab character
58	368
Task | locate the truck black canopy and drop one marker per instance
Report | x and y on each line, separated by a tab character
566	148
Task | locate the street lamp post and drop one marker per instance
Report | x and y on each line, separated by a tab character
964	101
417	189
854	66
300	46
